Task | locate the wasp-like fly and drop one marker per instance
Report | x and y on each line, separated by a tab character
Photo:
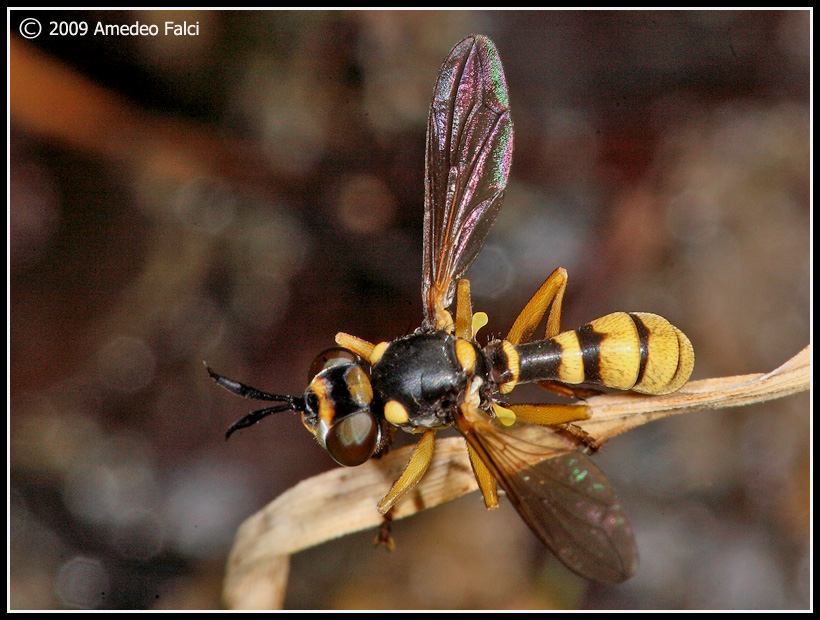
439	376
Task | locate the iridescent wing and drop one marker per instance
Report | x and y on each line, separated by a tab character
469	151
567	502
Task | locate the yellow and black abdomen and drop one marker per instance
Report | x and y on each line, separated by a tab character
625	351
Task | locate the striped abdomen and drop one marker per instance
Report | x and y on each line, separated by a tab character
624	351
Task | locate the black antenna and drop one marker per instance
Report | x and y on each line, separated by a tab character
289	403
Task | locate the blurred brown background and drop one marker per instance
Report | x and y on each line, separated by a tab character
242	194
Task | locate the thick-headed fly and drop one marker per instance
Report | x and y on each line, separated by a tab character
439	376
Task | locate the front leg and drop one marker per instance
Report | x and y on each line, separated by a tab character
416	467
383	538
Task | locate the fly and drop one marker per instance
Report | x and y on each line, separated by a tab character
439	376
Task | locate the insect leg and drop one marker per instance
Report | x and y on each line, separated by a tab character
419	461
568	390
383	538
549	415
550	295
464	310
467	323
486	481
360	347
559	417
579	436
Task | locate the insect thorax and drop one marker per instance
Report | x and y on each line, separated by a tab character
422	378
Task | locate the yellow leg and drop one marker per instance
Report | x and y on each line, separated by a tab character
467	324
360	347
550	295
560	417
486	481
464	310
419	462
549	415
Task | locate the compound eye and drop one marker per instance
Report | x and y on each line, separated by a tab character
353	439
331	357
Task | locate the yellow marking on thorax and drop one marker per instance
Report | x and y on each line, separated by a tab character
395	412
465	354
377	352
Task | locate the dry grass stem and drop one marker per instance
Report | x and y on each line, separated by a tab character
301	517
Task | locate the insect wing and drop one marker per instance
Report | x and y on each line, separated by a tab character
564	498
469	151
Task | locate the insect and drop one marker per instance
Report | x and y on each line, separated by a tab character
439	376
